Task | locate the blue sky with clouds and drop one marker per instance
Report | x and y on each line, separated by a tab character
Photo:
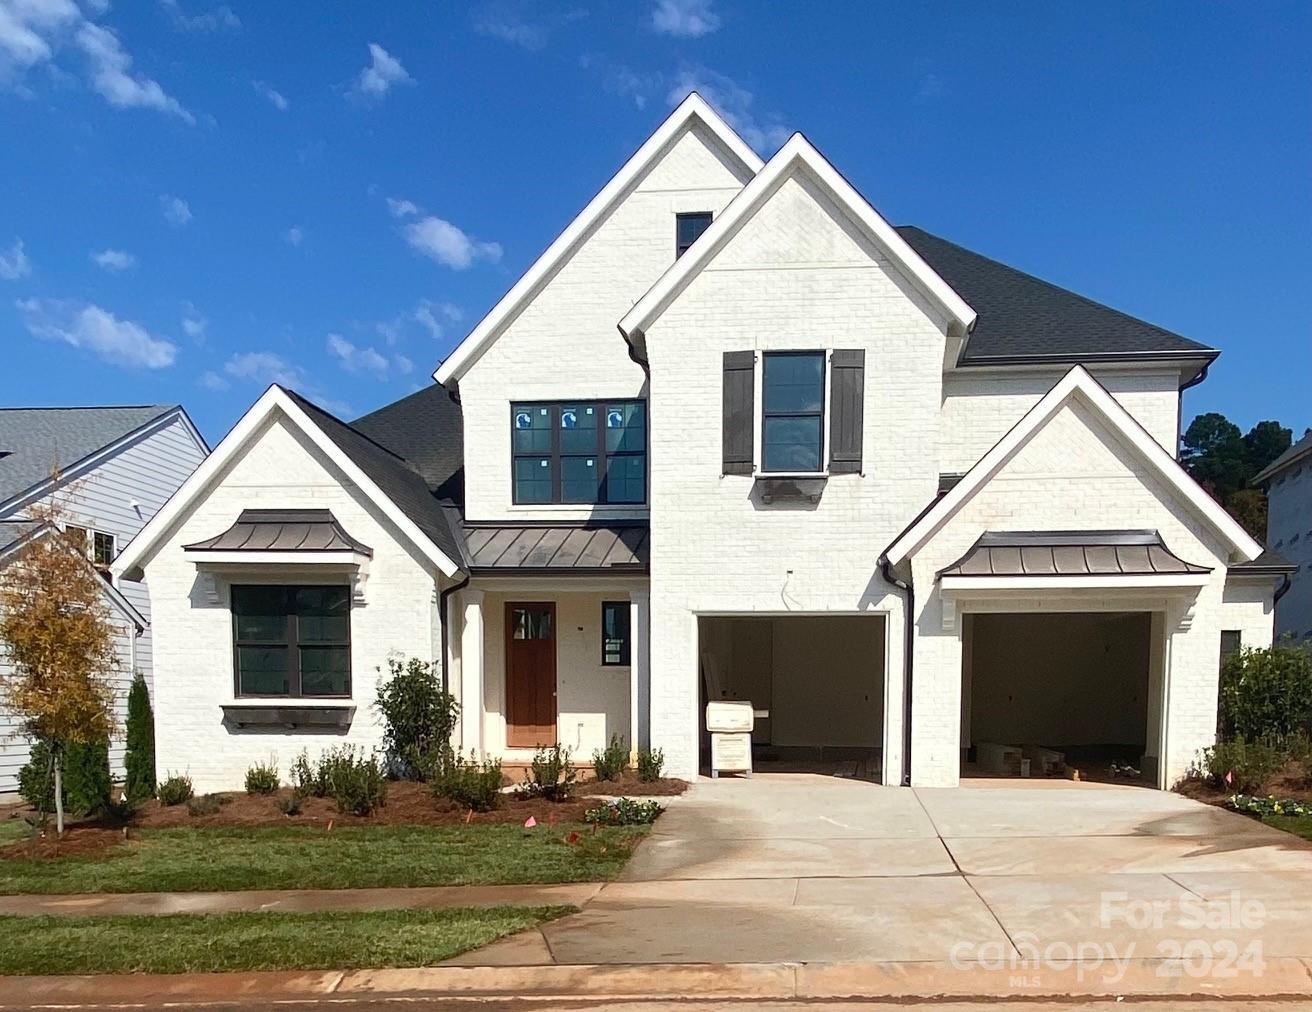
200	198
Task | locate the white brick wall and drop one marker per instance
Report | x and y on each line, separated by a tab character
193	637
980	406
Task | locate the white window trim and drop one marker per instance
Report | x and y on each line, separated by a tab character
758	412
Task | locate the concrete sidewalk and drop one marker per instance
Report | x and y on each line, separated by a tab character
301	901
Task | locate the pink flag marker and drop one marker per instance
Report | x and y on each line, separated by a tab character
530	822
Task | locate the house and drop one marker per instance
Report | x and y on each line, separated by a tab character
108	470
1288	483
732	435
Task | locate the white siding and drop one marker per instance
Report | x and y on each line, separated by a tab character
565	343
1289	532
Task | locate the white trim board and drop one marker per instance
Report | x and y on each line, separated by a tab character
1076	382
691	110
796	155
274	399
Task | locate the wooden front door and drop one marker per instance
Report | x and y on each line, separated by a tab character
530	675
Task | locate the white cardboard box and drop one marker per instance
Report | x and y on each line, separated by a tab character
730	716
731	752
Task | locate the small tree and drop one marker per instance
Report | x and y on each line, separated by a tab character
418	717
57	633
1266	693
139	762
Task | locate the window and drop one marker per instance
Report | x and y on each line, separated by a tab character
1231	641
687	227
614	633
792	411
586	452
292	641
100	548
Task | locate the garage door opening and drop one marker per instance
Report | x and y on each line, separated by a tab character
1081	685
820	678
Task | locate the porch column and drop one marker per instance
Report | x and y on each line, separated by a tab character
471	671
639	670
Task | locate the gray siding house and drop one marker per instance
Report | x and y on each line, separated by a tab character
109	470
1288	482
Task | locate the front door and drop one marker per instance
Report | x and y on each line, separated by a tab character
530	675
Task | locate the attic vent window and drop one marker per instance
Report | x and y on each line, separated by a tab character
687	228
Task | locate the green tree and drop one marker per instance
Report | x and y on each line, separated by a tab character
1265	442
1213	451
139	761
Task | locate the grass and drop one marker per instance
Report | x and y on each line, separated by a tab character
348	857
1299	825
13	830
186	943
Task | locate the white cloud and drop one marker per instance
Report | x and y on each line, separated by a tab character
293	236
401	208
521	23
266	367
176	210
384	70
277	98
355	359
29	32
119	342
211	380
114	260
111	75
439	240
220	18
735	103
14	264
684	18
194	325
403	365
427	315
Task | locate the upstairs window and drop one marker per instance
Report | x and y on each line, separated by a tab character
687	227
792	412
292	641
579	452
100	548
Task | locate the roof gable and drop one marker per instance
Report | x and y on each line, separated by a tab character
427	430
692	111
796	156
1077	383
1024	318
390	484
35	441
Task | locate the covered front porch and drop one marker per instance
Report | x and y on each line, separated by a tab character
547	641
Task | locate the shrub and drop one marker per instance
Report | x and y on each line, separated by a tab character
1249	764
1265	807
305	778
355	781
1266	692
551	774
262	778
86	777
418	716
175	789
467	782
290	804
36	780
118	813
609	763
139	760
650	764
624	812
206	804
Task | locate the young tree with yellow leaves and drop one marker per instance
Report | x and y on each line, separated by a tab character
56	631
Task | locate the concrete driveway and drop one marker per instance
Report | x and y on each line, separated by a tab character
803	868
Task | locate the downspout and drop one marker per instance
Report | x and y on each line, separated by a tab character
443	618
908	662
1282	590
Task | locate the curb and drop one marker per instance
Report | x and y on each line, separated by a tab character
1280	978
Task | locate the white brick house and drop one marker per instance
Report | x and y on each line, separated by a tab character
732	435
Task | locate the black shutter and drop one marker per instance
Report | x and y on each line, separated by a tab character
739	411
846	396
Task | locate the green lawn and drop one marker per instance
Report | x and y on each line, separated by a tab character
1299	825
347	857
13	830
182	943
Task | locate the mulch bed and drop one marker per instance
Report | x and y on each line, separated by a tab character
408	804
1291	782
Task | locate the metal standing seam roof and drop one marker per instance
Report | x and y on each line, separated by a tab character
557	549
283	531
1070	553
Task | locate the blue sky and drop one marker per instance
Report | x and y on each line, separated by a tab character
198	199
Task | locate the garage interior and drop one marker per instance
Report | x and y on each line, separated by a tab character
1082	684
819	677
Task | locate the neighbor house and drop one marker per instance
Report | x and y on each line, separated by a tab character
732	435
106	470
1288	483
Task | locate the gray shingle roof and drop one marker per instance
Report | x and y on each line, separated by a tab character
1022	317
12	530
34	440
427	430
397	479
1301	449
